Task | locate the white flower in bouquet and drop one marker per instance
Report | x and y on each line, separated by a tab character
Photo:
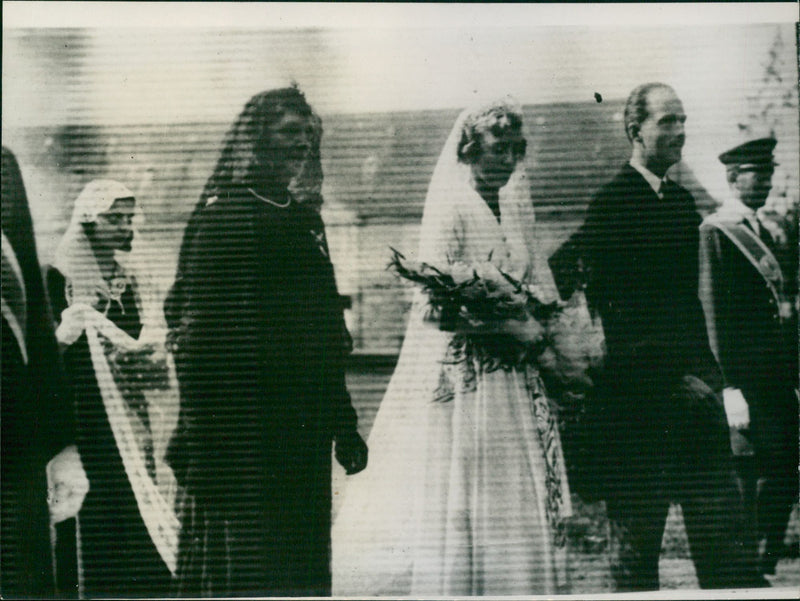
475	295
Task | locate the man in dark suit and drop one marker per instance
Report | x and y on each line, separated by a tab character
751	313
36	417
660	426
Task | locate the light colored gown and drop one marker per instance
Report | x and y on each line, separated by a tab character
465	492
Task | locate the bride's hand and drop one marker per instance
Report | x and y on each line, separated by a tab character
527	331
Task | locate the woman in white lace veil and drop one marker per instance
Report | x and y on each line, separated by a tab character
465	493
112	333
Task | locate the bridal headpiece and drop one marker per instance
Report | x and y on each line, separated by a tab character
497	116
97	197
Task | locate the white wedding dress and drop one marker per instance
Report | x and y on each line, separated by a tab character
465	492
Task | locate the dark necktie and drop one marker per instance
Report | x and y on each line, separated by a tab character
765	235
758	228
667	189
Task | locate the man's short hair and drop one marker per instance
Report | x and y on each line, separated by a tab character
636	106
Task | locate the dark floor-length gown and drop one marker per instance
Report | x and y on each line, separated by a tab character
118	557
261	345
36	415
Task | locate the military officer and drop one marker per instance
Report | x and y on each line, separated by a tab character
750	304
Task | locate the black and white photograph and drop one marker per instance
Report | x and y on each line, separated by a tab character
435	300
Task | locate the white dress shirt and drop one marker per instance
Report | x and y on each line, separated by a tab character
651	178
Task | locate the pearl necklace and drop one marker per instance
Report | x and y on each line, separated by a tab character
272	202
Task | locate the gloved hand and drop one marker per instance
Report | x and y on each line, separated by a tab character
67	485
351	452
736	408
73	322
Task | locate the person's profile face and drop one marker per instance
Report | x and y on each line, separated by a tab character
284	147
114	228
500	151
754	185
662	134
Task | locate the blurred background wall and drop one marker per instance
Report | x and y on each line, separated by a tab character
149	106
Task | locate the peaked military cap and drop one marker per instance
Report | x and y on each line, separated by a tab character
751	154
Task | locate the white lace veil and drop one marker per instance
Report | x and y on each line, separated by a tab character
75	259
74	256
373	533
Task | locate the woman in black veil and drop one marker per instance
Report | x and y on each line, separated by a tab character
260	346
305	187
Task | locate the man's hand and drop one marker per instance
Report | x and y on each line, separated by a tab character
351	452
736	408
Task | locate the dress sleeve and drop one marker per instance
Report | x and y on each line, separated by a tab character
53	424
215	352
344	418
63	419
216	326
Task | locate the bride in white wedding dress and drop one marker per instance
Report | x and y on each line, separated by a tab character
466	492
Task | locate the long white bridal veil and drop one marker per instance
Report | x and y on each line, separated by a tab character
374	533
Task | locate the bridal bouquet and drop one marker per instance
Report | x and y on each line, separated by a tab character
476	295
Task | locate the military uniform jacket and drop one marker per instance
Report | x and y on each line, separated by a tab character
752	323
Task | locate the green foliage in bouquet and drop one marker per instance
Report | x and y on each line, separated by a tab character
477	293
570	354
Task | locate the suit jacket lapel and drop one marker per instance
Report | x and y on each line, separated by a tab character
642	188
